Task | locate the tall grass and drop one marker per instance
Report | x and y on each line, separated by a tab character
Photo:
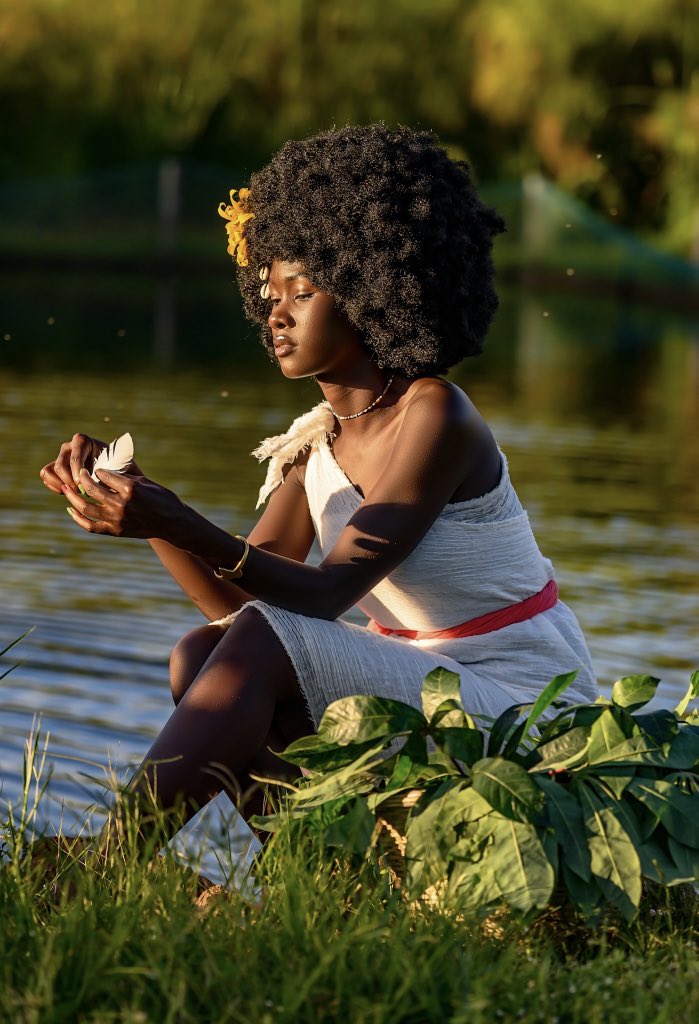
306	939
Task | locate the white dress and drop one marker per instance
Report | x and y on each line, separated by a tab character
479	556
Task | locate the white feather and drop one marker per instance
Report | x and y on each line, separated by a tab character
116	457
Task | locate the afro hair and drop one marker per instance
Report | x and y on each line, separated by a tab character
393	229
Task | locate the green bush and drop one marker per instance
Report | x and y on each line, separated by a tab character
583	810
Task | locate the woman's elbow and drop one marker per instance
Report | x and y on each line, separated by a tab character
331	599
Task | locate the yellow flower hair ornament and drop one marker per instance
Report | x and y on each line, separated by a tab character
237	217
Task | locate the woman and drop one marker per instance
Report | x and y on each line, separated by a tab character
365	254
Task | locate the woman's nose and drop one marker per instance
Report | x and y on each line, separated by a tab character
278	317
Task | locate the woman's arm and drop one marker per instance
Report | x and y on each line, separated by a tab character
285	528
442	441
214	598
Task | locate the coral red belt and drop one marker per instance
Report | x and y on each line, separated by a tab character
519	612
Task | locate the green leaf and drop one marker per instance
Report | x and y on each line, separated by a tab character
472	884
514	741
606	734
564	814
691	694
320	818
451	714
686	860
570	718
518	861
409	763
615	778
353	831
465	745
468	806
684	749
585	895
440	685
503	726
21	637
625	811
661	725
634	691
548	695
676	809
508	789
658	865
361	718
564	752
640	749
613	857
266	822
314	753
332	788
430	833
550	844
441	762
350	780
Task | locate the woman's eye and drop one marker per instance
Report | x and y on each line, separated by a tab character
304	295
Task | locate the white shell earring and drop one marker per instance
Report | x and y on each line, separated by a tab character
264	291
264	273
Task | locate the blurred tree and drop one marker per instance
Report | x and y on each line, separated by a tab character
601	98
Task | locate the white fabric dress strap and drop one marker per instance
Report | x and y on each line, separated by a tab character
307	431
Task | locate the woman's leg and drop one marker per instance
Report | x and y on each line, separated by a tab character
245	693
188	657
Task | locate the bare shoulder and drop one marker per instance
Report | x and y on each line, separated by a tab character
441	419
444	405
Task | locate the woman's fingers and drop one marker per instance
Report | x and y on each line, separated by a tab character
119	482
89	514
99	508
74	455
122	505
95	490
50	479
81	449
61	466
90	525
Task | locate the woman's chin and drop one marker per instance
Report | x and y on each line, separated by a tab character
292	370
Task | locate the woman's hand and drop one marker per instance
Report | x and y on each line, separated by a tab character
125	506
76	454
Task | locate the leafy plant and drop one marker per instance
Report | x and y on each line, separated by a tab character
580	806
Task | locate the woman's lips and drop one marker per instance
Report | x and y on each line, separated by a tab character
283	348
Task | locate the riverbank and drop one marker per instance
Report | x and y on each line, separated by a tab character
322	944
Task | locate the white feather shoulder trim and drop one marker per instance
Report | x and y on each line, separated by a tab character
308	431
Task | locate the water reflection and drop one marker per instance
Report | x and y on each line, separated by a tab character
596	406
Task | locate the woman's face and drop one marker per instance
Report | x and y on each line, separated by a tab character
311	336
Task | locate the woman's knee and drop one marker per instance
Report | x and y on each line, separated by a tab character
255	651
189	655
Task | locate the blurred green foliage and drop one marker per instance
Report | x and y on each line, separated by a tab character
602	98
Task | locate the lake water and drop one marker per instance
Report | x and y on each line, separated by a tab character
596	405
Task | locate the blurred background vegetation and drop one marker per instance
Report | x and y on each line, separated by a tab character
600	98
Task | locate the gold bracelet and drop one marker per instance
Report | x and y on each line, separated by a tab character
237	571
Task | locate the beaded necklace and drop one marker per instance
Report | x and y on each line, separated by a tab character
373	405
